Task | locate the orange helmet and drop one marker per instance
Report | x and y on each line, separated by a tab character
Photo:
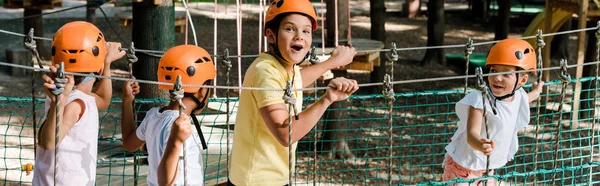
81	46
279	7
192	63
512	52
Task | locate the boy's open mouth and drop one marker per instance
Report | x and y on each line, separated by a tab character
297	47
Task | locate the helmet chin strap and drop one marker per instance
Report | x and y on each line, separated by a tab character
199	105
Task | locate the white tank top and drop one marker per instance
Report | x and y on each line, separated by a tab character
77	152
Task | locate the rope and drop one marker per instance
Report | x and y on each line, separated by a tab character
296	89
239	41
540	44
481	86
30	44
188	18
151	52
592	138
349	36
227	63
388	93
215	44
314	60
468	51
59	81
565	77
290	100
336	19
131	59
177	95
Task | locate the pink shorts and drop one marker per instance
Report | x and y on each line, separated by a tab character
453	170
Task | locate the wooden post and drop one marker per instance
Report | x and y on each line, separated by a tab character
154	29
18	56
90	13
583	7
378	33
342	22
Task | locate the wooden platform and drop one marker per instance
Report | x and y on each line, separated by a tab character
33	4
363	60
127	18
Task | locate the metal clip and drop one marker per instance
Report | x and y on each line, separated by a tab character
289	98
393	54
388	89
564	76
469	47
313	56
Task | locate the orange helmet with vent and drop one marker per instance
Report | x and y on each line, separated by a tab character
279	7
81	46
512	52
192	63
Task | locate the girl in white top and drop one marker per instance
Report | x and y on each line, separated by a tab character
79	105
466	153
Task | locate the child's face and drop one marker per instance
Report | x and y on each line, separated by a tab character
504	84
294	37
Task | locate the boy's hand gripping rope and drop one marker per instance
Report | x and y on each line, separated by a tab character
389	95
131	59
565	77
468	51
482	86
290	100
540	44
227	63
176	95
60	82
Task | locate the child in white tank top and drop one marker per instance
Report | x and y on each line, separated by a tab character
79	122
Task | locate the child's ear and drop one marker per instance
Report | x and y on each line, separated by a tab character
270	36
524	79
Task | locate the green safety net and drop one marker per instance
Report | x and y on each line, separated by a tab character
352	141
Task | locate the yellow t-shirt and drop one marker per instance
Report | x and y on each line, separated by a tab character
257	158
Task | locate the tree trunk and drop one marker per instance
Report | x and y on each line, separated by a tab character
560	49
333	144
153	29
378	18
435	32
480	10
503	21
90	14
38	30
342	22
588	71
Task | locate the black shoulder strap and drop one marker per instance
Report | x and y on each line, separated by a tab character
204	147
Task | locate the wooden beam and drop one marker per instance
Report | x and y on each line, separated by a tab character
580	57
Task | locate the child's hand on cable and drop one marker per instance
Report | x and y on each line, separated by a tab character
340	89
537	87
130	89
343	55
50	85
181	129
487	146
113	52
